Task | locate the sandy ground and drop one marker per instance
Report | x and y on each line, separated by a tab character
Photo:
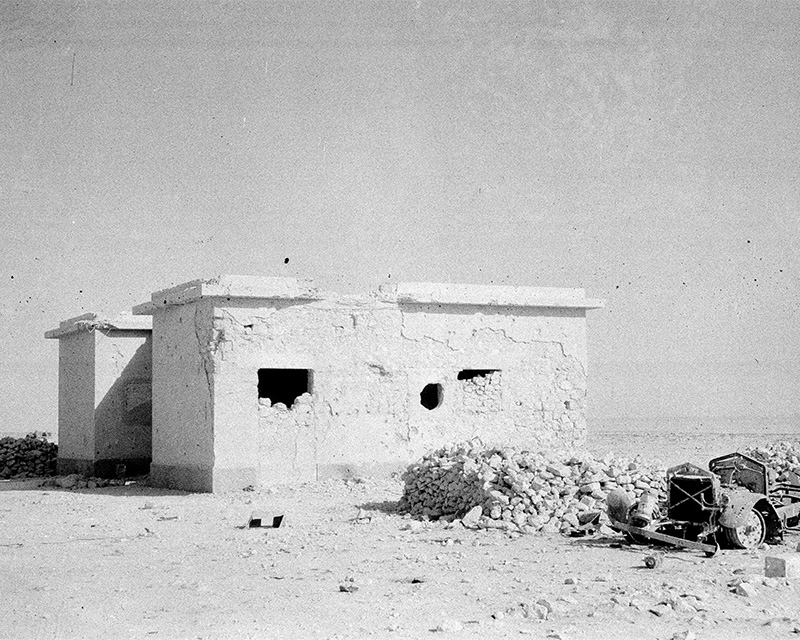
135	562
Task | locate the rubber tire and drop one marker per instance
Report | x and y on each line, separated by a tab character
750	535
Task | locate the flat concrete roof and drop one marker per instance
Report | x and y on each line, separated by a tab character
266	288
249	287
98	322
486	295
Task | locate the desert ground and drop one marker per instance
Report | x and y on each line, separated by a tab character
137	562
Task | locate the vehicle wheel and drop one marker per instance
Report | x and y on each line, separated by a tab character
750	534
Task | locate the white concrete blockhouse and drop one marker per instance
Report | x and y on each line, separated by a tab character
261	381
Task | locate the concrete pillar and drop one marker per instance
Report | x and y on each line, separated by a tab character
104	394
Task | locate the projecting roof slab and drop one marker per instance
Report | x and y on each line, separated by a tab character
486	295
266	288
94	322
248	287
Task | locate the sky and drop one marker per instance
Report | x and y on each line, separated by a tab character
646	151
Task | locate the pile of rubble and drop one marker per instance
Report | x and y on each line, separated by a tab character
30	456
783	457
523	490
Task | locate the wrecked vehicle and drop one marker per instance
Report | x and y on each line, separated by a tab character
734	504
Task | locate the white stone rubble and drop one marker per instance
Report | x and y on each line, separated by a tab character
525	491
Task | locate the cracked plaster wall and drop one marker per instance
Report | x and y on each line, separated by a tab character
370	360
76	395
183	425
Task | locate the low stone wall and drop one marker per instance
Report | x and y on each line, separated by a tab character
31	456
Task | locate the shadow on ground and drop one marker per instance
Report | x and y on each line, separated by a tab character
386	506
136	488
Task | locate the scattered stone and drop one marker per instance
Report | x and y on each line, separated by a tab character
570	580
68	482
622	601
682	605
543	602
348	587
572	520
745	589
660	610
470	520
449	626
772	583
684	635
499	615
535	611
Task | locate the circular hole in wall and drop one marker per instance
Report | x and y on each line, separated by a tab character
431	396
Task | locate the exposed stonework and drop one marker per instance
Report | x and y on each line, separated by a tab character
371	382
482	393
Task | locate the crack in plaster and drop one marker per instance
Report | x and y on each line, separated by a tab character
232	317
118	358
403	334
500	331
545	342
204	357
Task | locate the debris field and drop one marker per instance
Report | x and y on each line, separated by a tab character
360	559
521	490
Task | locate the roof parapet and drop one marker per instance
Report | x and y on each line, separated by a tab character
486	295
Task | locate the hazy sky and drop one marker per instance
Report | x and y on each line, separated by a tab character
647	151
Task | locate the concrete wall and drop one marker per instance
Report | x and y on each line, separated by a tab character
370	364
76	431
183	396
